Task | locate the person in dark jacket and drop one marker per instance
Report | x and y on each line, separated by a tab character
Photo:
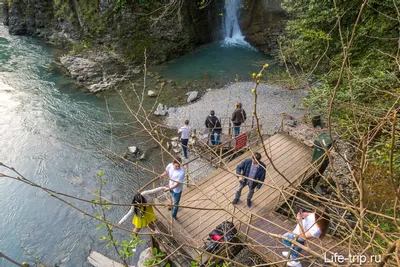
252	168
238	117
214	126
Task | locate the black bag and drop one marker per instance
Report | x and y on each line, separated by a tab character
226	230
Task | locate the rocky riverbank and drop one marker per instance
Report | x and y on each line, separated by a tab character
97	72
272	101
113	29
109	31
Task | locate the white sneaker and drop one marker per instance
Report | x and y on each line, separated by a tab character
285	254
294	263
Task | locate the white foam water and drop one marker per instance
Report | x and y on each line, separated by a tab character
232	34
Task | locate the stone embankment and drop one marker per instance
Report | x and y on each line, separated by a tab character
98	72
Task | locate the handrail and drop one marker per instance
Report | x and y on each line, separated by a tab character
149	182
214	161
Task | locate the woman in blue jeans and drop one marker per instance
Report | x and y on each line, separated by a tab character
310	225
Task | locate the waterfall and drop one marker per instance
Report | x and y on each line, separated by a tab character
232	33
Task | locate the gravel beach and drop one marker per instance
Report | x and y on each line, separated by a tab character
272	100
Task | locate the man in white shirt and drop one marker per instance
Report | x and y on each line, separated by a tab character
176	175
185	131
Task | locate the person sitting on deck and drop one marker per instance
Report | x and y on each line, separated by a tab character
214	126
252	168
310	225
143	215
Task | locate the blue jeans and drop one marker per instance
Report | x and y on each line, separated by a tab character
215	140
176	197
236	129
185	147
295	250
239	191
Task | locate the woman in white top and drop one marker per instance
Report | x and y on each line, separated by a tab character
185	131
310	225
143	214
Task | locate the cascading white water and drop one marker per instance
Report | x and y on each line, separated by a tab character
232	33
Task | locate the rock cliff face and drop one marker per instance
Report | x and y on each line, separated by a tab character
119	28
262	22
5	12
16	18
27	17
120	25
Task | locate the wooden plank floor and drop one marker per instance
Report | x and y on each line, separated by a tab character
217	191
272	247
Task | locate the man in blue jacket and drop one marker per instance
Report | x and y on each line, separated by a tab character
252	168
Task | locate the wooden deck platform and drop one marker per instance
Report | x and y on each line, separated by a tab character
193	225
271	248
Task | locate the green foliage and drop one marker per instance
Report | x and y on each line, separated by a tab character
380	154
128	247
370	82
158	257
125	248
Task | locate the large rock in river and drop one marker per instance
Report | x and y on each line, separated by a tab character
96	73
82	69
161	110
192	96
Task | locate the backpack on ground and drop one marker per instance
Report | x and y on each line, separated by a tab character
224	231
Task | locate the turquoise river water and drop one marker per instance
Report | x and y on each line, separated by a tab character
57	135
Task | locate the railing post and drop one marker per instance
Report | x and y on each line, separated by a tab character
248	227
220	155
187	176
234	210
282	118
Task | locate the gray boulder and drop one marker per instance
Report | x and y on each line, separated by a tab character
161	110
146	255
192	96
105	5
83	68
89	72
151	93
172	110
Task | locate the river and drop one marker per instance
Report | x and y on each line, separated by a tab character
58	136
